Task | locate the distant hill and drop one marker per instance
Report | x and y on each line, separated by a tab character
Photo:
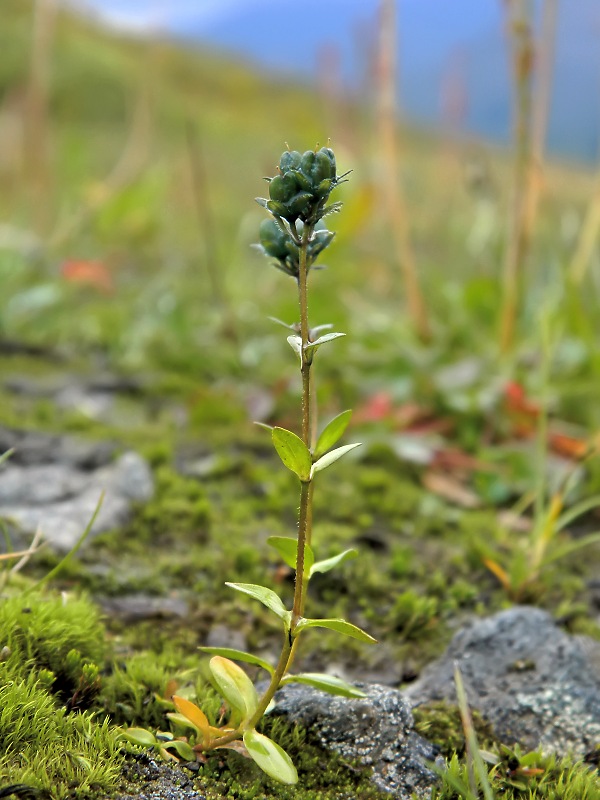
434	35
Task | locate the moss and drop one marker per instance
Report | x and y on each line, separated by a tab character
523	777
322	775
135	691
441	724
52	654
62	638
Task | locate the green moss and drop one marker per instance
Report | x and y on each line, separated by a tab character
441	724
135	691
62	638
322	775
42	746
52	652
523	777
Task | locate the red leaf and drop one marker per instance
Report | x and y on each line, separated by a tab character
91	273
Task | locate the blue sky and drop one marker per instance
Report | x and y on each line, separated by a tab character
435	36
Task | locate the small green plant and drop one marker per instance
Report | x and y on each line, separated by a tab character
293	238
507	772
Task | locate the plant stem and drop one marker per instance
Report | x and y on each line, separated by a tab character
305	515
290	644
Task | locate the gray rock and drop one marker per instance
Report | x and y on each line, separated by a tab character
222	636
534	683
137	607
377	729
55	483
32	447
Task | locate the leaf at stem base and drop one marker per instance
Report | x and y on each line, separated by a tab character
270	757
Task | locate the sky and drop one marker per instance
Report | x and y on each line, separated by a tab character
436	37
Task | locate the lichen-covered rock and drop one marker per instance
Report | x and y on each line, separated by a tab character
377	729
533	682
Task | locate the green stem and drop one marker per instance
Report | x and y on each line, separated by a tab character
290	643
305	515
306	489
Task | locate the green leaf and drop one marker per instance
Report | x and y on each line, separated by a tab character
331	457
265	426
327	327
235	686
329	563
270	757
293	452
140	736
326	683
572	547
295	342
238	655
331	433
287	547
283	324
266	596
339	625
327	337
576	511
5	456
182	749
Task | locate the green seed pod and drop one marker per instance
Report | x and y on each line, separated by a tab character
299	203
303	182
273	239
322	168
292	249
278	209
324	188
307	163
320	241
331	156
290	160
283	187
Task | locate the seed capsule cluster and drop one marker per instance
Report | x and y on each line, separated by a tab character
298	197
280	246
303	185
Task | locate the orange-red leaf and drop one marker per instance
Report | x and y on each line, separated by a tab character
194	714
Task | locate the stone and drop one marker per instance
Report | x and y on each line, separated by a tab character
55	483
137	607
377	730
147	779
537	685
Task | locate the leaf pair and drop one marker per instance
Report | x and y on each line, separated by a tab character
297	457
295	342
287	547
272	601
318	680
163	742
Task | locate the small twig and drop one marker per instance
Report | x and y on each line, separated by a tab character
518	239
34	547
394	197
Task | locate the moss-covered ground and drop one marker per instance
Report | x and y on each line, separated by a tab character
134	280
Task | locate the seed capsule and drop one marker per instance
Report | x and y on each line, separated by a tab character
283	187
298	204
273	239
290	160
